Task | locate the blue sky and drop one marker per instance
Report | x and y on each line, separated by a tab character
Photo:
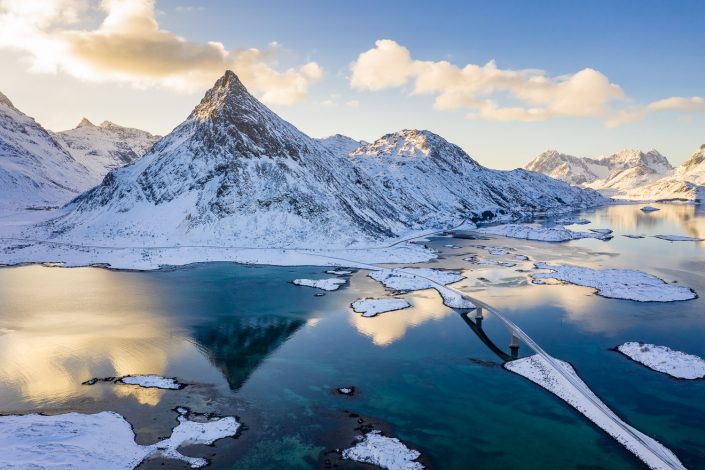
651	50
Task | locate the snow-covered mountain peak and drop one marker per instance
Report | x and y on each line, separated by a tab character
85	123
6	101
110	125
341	144
413	144
226	93
628	158
229	121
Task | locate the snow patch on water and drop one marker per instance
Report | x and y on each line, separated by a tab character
539	232
372	307
679	238
152	381
625	284
664	359
384	452
103	440
329	284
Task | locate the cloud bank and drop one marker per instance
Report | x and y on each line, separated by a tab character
129	47
491	93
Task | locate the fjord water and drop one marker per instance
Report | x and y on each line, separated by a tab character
252	344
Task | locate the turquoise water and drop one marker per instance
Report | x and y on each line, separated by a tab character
252	344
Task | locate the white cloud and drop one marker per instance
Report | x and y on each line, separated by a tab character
129	47
352	104
674	103
491	93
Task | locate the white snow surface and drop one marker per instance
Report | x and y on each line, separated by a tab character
329	284
338	272
105	147
615	175
152	381
679	238
536	369
664	359
103	440
385	452
539	232
408	279
372	307
625	284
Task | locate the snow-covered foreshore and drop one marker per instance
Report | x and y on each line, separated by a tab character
664	359
144	381
384	452
15	251
409	279
627	284
373	307
102	440
329	284
570	388
540	233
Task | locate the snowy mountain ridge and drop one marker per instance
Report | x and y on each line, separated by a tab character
35	170
105	147
612	175
235	172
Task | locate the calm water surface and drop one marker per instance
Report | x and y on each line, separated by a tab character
252	344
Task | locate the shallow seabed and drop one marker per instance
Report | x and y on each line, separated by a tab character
252	344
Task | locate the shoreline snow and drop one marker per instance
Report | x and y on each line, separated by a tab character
627	284
540	233
102	440
410	279
329	284
372	307
665	360
385	452
536	369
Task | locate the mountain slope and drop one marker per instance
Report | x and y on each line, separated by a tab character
105	147
340	144
35	170
427	176
615	175
686	182
236	173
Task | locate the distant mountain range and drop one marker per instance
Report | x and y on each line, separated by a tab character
235	171
40	169
629	174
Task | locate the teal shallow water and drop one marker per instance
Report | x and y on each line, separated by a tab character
256	346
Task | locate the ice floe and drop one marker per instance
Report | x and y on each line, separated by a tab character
650	209
347	391
540	233
570	221
408	279
679	238
372	307
102	440
634	236
491	262
152	381
329	284
339	272
145	381
521	257
664	359
604	231
384	452
570	388
626	284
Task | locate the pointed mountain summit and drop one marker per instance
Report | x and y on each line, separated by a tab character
84	123
235	173
35	170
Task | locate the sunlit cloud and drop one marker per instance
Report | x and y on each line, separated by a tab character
129	47
496	94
